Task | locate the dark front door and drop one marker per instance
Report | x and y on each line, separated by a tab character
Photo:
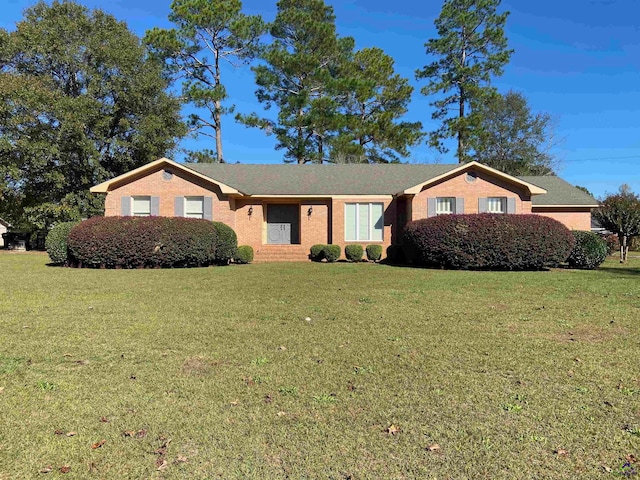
283	224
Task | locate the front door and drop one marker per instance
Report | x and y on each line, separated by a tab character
283	224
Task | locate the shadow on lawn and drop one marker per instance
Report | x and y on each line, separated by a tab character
622	271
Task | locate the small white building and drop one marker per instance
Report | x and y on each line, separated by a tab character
4	226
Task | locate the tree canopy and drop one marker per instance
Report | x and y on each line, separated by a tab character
620	214
207	33
511	137
80	102
470	49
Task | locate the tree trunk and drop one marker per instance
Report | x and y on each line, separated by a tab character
217	118
218	122
624	248
460	130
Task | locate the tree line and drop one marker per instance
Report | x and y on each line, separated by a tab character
84	99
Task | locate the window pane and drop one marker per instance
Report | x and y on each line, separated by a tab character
377	217
194	207
141	206
496	204
350	210
364	225
445	205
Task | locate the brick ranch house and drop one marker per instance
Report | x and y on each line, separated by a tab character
282	210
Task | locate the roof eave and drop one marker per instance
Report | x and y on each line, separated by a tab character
104	187
533	189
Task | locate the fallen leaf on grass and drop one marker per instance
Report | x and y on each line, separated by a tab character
72	434
433	447
268	398
98	444
606	469
631	458
281	414
235	403
282	348
134	433
46	469
104	420
67	355
1	390
65	469
161	464
82	362
58	432
561	452
181	458
392	430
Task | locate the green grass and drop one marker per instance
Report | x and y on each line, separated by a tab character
216	373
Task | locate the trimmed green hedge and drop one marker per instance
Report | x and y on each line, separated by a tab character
374	253
317	252
244	254
487	241
227	243
142	242
331	253
589	251
56	242
353	253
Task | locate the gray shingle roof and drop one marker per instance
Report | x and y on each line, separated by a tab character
349	179
360	179
559	192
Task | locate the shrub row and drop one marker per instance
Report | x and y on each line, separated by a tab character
56	242
589	251
492	241
143	242
330	253
352	252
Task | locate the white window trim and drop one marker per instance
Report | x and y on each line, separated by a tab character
503	204
133	203
189	214
453	205
357	218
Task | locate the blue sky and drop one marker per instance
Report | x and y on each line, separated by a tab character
577	60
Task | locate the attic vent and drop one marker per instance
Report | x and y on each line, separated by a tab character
471	177
167	175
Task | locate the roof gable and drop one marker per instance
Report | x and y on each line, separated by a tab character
154	166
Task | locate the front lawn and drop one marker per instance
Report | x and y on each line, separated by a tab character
398	373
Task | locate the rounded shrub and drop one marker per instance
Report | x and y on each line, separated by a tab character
244	254
56	242
353	253
317	252
487	241
589	251
227	243
331	253
142	242
374	253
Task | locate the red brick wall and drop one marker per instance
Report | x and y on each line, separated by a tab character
484	186
182	184
572	218
338	227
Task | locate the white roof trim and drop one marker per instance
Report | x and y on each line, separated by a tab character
105	187
533	189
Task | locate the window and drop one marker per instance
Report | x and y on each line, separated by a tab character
141	206
364	221
497	205
194	207
445	205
